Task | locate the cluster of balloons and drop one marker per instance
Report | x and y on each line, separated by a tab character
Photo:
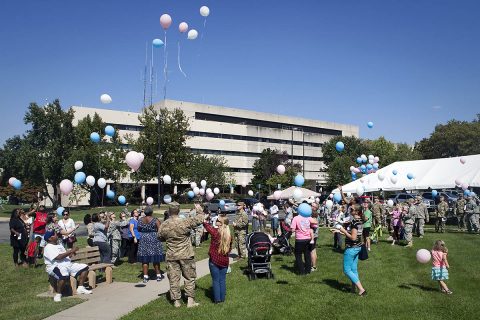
166	22
15	183
368	165
134	159
208	193
109	131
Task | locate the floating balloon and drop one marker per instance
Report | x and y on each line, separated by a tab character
299	180
352	168
203	183
369	167
356	170
90	181
330	195
394	179
10	181
390	203
157	43
109	131
370	124
371	161
381	176
305	210
297	194
359	160
463	160
95	137
105	98
209	190
376	159
101	183
394	172
183	27
375	166
222	203
410	176
202	192
464	186
17	184
110	194
204	11
337	197
149	201
133	160
66	186
277	194
80	177
165	21
434	193
281	169
329	204
167	198
122	200
191	194
250	193
216	191
360	190
317	200
371	157
244	184
193	185
466	193
196	190
364	158
349	194
78	165
423	256
192	34
209	196
339	146
167	179
60	210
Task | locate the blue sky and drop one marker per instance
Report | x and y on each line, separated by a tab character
405	65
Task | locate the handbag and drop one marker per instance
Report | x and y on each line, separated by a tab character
363	255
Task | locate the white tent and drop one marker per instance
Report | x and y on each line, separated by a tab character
434	173
288	193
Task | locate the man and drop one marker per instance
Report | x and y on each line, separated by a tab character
378	212
58	265
460	212
180	256
442	209
421	216
274	218
239	225
197	233
408	221
470	210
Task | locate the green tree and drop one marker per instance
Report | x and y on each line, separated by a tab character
213	169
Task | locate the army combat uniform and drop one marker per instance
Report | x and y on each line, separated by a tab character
408	221
471	219
239	232
421	216
175	231
460	213
197	233
378	211
442	210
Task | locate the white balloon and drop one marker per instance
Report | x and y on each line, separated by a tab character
78	165
352	168
208	190
371	161
363	157
167	179
371	157
105	98
317	200
10	181
277	194
192	34
101	183
216	191
381	176
244	184
133	160
394	179
390	203
140	156
202	192
196	190
298	194
360	191
193	185
204	11
250	193
281	169
66	186
349	194
209	196
329	204
376	159
90	181
149	201
203	183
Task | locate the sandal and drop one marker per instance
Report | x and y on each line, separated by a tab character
448	292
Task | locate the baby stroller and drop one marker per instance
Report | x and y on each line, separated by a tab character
282	243
259	252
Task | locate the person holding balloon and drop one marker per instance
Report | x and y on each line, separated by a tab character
301	226
114	235
440	266
101	222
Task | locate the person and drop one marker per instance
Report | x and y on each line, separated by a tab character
59	265
262	216
440	265
87	220
150	248
314	233
180	256
377	211
66	224
114	236
134	236
27	220
196	235
18	238
367	224
32	251
288	213
338	219
470	210
353	244
255	219
220	247
39	225
421	216
239	233
442	209
408	217
460	212
396	222
125	232
302	227
274	218
100	226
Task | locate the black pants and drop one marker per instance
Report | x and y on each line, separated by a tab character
19	251
302	248
337	240
132	252
125	247
105	252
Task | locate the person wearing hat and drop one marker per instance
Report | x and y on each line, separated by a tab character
408	221
421	216
59	266
470	210
180	256
442	209
239	230
460	212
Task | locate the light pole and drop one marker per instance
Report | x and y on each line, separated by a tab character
159	159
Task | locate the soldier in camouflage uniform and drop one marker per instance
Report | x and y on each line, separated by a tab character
175	231
421	216
239	230
442	210
197	233
471	210
408	221
460	212
378	211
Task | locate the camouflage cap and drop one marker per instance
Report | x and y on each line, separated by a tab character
419	198
411	200
174	208
240	203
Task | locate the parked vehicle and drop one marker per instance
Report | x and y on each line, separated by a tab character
229	207
449	197
401	197
249	202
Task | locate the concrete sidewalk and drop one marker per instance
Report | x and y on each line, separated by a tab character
108	302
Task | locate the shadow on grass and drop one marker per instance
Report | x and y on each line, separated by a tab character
410	285
335	284
282	282
288	268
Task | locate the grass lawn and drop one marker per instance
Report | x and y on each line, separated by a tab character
398	287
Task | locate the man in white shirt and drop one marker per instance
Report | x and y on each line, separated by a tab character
274	218
58	265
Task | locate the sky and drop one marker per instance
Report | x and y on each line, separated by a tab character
405	65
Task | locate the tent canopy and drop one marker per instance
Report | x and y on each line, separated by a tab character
433	173
288	193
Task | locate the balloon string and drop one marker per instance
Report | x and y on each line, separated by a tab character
165	64
178	58
204	27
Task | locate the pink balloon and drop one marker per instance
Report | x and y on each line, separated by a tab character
463	160
10	181
356	170
133	160
165	21
277	194
210	196
331	195
66	186
149	201
423	256
464	186
202	191
376	159
141	156
183	27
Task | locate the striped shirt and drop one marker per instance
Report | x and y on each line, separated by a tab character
354	224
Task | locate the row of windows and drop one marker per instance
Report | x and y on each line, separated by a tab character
247	154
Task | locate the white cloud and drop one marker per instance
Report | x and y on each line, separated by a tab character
437	107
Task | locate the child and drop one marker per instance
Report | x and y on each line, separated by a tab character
32	251
440	265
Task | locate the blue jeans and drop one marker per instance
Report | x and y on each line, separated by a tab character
274	226
350	263
219	276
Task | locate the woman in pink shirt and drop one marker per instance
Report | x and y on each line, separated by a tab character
302	227
396	223
440	265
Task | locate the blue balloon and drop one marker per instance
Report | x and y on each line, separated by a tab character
359	160
122	200
339	146
191	194
157	43
95	137
109	131
221	203
472	194
337	197
466	193
110	194
375	166
364	160
369	167
17	184
305	210
167	198
394	172
410	176
434	193
362	167
370	124
299	180
80	177
60	210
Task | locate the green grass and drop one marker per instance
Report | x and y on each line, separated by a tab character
398	287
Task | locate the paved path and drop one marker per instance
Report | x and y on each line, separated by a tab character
108	302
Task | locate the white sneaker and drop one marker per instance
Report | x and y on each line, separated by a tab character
82	290
57	297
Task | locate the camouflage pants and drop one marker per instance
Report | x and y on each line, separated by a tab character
440	225
419	224
115	249
472	225
175	270
461	220
408	232
240	245
196	236
377	220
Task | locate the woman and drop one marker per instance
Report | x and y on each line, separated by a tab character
301	226
134	236
114	236
25	216
353	244
100	226
396	223
220	247
18	238
149	248
67	224
125	232
367	214
274	218
87	220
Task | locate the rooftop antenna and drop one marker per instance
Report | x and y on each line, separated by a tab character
145	76
151	78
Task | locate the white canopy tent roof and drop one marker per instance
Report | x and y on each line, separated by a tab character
434	173
288	193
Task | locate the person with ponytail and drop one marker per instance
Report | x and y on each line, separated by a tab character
220	247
